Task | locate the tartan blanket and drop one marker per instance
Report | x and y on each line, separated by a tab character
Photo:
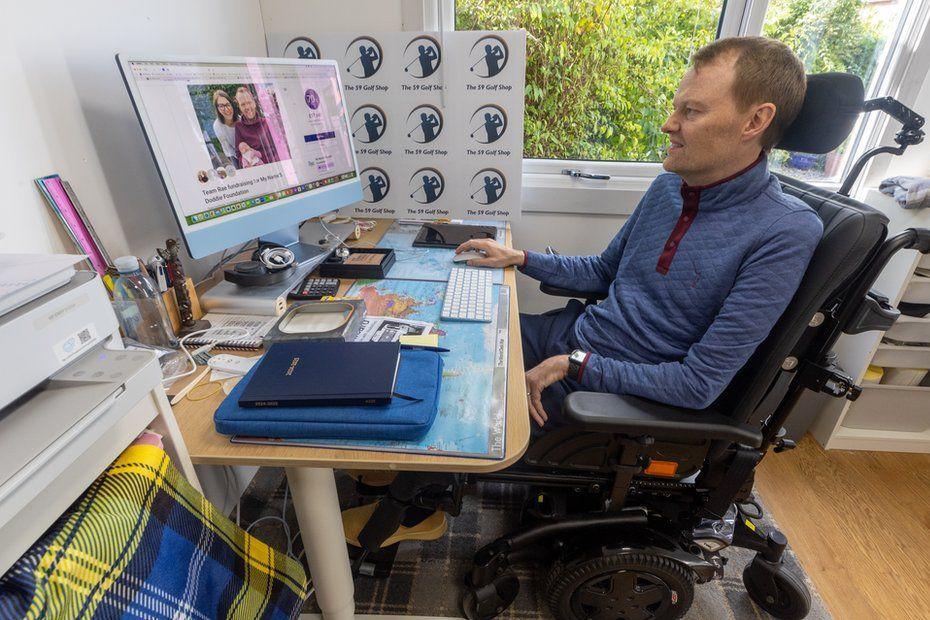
141	542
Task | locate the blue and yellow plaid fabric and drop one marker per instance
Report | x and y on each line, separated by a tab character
142	543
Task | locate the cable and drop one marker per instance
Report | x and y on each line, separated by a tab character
225	259
330	233
190	358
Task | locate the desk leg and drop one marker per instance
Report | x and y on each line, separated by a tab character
317	506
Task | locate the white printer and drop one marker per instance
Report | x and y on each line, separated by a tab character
43	335
71	398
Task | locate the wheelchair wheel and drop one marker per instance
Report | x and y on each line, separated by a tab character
776	590
625	586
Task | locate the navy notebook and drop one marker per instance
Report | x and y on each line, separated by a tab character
320	373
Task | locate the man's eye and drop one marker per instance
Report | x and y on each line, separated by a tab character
690	111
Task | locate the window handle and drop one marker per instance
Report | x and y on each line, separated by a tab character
578	174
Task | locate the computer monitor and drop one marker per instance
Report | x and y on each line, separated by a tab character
245	147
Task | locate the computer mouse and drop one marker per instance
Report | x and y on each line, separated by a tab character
467	256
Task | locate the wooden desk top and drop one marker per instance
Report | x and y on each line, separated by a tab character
205	445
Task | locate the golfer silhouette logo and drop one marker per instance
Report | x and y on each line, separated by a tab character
302	47
426	185
487	186
488	56
424	123
368	123
363	57
487	124
376	184
422	57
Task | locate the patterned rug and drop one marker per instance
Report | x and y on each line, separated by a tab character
427	577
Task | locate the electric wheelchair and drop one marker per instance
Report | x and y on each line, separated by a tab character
631	506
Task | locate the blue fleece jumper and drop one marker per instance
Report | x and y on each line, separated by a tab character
696	278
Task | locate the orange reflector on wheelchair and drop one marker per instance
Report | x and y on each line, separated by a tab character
661	468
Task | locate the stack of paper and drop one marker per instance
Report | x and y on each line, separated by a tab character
24	277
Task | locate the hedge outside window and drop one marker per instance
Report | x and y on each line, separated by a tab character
601	74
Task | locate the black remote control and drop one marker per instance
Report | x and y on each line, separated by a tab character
315	288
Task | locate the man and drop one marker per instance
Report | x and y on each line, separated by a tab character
252	128
706	264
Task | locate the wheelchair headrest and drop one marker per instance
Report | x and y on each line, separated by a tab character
831	106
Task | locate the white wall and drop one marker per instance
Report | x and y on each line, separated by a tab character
341	16
66	110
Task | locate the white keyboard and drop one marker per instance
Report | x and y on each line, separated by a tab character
468	295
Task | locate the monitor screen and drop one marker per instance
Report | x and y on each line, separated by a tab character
244	146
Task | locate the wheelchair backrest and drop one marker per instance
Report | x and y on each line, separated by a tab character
852	234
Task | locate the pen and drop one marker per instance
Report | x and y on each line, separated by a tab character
411	347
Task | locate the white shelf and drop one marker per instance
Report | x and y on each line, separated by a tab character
899	282
886	441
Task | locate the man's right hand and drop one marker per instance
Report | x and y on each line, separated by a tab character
496	255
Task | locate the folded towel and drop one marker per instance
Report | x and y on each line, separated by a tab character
909	192
419	375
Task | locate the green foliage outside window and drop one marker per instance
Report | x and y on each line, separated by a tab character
828	35
601	74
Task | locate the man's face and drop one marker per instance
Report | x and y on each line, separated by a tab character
246	105
705	128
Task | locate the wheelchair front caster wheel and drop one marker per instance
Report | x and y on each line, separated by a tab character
490	600
621	585
776	590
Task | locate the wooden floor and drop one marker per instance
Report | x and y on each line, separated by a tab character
859	523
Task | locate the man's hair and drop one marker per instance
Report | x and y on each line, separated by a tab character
766	72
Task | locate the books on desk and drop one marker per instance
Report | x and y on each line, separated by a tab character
316	373
407	417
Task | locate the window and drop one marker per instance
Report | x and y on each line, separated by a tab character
600	74
851	36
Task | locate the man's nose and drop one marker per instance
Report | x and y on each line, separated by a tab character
670	124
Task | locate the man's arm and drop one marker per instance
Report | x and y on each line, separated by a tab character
763	288
577	273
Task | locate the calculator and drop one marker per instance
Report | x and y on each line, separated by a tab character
315	288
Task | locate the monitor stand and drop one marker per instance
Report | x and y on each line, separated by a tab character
227	297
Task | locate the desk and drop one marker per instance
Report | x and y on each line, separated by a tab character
310	470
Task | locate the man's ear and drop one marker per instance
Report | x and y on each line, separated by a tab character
760	120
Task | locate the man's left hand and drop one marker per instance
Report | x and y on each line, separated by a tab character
539	378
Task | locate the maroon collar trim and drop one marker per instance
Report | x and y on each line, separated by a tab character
701	188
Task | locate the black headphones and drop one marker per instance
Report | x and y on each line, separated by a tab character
270	263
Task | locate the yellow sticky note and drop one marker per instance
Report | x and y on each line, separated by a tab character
421	340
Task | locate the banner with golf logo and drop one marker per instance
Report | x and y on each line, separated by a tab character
437	118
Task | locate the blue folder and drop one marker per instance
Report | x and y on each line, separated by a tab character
419	376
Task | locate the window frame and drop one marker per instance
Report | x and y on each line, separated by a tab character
546	189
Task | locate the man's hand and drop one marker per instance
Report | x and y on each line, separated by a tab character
496	255
539	378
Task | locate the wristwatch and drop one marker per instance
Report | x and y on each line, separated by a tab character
576	361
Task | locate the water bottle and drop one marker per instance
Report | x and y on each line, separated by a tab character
139	306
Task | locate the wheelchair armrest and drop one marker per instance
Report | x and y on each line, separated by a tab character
629	415
564	292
